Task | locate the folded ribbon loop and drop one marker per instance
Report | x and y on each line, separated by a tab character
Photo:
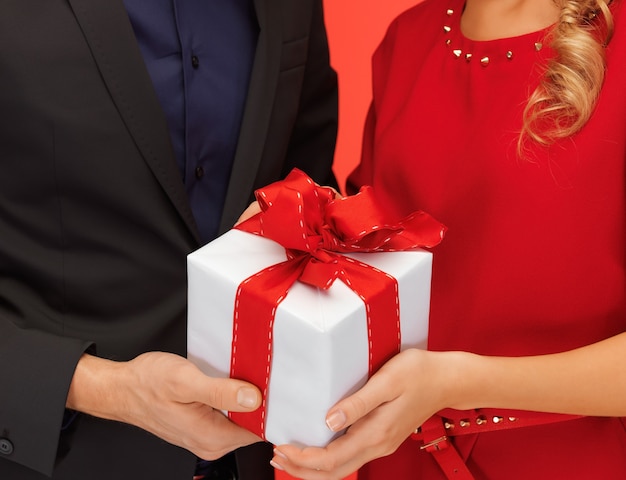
302	216
315	228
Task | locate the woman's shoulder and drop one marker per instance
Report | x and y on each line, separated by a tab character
420	22
424	12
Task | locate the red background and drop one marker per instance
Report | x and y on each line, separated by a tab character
355	28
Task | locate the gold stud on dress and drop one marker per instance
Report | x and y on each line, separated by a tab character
484	61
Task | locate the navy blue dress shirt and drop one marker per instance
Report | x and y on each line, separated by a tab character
199	54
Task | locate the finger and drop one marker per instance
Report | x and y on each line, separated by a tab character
249	212
378	390
365	440
336	193
211	438
226	394
281	461
232	395
336	461
345	454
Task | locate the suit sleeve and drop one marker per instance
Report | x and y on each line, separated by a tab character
36	369
312	143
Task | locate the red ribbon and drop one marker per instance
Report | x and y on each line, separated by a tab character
315	228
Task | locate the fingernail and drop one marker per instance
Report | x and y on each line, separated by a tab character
275	465
336	420
247	397
280	454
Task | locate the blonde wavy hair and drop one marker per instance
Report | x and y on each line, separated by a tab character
567	94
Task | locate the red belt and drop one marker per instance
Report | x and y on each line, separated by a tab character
436	432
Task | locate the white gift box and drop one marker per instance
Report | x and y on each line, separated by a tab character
320	348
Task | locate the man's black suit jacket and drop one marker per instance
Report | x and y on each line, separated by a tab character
94	220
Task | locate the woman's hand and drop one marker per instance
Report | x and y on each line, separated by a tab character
168	396
416	384
404	393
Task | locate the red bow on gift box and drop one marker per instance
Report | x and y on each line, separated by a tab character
315	229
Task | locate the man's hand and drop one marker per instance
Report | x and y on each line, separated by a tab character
249	212
168	396
255	208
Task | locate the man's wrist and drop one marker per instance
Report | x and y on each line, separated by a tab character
94	387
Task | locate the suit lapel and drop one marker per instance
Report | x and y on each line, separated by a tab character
112	41
261	93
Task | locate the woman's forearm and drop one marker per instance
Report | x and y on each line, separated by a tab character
589	381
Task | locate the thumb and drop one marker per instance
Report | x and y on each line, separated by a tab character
232	395
359	404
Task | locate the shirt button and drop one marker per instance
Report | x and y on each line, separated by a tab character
199	172
195	61
6	447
